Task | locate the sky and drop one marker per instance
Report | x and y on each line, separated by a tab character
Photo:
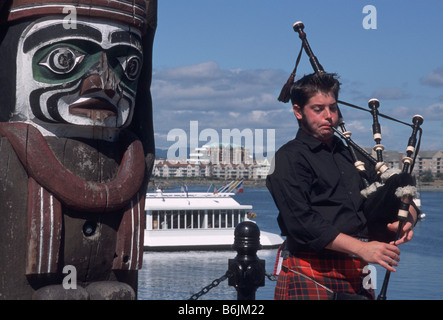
220	65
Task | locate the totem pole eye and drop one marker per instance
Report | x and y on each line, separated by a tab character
131	66
62	60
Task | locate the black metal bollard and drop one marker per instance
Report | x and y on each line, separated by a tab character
247	270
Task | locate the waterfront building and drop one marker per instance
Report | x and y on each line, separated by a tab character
228	161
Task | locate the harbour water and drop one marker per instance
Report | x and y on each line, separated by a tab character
179	275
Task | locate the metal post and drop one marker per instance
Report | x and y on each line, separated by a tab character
247	270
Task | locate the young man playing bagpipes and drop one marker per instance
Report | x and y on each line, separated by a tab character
332	231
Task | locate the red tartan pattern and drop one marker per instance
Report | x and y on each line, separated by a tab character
338	272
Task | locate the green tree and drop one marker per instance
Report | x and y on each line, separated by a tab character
427	176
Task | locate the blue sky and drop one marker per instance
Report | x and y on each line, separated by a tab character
223	62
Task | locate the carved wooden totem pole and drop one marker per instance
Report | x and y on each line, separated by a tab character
76	147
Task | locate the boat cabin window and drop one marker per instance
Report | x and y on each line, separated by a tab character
197	219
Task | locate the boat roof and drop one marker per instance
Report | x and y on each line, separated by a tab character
192	201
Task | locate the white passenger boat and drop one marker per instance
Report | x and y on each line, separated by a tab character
196	221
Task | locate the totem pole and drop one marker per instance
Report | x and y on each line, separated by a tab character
76	148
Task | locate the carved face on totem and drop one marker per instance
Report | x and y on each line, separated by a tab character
85	76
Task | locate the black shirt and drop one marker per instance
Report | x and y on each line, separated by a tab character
317	193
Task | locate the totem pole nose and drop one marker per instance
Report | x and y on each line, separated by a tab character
100	78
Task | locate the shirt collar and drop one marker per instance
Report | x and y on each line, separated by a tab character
314	143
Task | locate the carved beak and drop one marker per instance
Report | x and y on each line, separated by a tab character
97	92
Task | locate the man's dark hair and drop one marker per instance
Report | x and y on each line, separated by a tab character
305	88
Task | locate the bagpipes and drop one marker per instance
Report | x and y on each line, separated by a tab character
390	198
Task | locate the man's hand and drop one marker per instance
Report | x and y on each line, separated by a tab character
385	254
406	232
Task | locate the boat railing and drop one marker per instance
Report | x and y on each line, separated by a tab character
159	194
195	219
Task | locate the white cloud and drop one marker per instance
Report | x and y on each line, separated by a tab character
393	93
434	79
205	82
357	126
247	99
434	112
217	98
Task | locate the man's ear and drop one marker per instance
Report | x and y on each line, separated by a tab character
297	111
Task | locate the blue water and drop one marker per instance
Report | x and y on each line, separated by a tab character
178	275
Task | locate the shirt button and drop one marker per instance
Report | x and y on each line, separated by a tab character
342	172
350	192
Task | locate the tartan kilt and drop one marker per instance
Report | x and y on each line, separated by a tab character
340	273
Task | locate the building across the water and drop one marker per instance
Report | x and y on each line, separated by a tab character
228	161
219	160
184	168
426	161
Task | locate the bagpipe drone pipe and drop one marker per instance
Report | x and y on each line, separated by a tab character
388	199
